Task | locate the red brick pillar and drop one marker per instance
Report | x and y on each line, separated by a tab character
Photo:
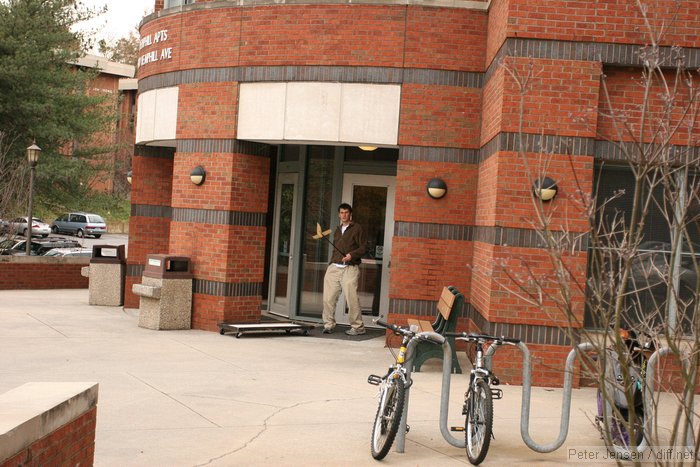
221	225
149	225
508	249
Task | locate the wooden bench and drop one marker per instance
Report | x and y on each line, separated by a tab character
449	307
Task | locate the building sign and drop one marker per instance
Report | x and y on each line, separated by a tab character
166	53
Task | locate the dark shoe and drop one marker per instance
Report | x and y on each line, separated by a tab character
328	330
355	331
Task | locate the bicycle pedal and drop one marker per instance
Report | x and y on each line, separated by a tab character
456	428
496	394
374	379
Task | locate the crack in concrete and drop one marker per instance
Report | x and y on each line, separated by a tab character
215	357
259	433
174	400
46	324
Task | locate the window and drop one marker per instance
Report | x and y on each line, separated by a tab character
650	275
174	3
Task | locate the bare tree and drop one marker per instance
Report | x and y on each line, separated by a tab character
13	181
643	238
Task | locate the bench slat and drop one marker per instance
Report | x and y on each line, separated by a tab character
447	299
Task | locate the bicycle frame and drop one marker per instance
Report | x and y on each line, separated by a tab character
478	400
393	391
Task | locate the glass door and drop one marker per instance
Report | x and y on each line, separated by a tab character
372	200
283	244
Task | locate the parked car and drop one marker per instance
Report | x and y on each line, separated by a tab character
19	225
76	251
39	246
80	224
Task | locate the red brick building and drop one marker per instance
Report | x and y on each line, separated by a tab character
274	100
115	80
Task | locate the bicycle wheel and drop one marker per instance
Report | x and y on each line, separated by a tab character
479	422
619	434
618	429
386	423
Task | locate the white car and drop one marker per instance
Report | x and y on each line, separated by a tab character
19	226
69	252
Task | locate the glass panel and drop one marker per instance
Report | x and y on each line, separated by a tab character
283	243
650	274
317	208
174	3
290	153
369	210
355	154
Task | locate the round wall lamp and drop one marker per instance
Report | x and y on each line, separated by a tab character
129	176
437	188
198	175
545	189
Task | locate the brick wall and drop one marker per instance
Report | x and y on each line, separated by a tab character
149	224
456	207
195	100
428	29
48	424
446	116
36	272
230	254
71	445
346	35
625	91
421	267
609	21
560	99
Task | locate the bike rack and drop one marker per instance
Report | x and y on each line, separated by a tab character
526	395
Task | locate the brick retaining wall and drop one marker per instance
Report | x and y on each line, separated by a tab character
38	272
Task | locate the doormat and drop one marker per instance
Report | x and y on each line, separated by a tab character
339	334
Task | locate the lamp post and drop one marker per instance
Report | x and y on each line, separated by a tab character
33	158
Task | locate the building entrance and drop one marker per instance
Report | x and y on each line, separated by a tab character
372	199
309	196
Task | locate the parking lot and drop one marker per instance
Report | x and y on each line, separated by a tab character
106	239
59	243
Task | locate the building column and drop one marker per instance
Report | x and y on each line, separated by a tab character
149	225
221	226
508	250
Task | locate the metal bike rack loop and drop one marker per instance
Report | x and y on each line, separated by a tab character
526	396
410	354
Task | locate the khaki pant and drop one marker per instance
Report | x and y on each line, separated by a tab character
345	280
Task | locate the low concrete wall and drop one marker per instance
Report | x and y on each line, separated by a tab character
38	272
48	424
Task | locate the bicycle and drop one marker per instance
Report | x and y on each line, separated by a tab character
478	400
635	356
392	390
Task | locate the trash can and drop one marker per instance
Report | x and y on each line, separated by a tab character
165	293
106	273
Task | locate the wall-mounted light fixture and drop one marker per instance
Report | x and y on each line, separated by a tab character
437	188
128	176
368	148
544	189
198	175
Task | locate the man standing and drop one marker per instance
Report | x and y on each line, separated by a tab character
343	273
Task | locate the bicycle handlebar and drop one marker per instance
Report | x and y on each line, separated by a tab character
433	337
470	337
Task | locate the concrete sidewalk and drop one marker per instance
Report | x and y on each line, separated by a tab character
192	398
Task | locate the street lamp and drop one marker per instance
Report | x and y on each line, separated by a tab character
33	158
